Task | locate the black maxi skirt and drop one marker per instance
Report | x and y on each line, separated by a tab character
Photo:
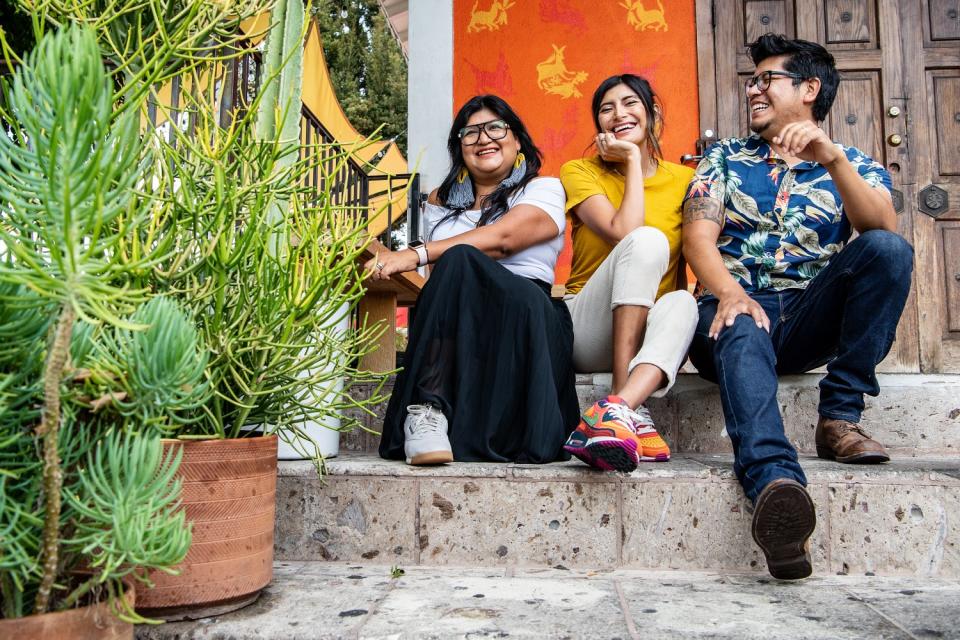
494	352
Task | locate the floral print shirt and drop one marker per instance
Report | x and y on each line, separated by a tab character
782	224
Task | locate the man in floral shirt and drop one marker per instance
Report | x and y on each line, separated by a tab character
766	222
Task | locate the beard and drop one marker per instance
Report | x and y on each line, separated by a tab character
759	127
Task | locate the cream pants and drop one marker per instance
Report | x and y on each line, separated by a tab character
631	275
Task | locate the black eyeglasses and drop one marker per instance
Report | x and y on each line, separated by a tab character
495	130
762	80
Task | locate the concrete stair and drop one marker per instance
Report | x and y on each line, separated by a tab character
901	518
315	600
689	514
560	550
915	415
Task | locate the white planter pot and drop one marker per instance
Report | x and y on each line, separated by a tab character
327	439
325	434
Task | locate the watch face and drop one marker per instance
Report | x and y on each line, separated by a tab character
415	244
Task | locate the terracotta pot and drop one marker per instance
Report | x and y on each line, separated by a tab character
95	622
229	493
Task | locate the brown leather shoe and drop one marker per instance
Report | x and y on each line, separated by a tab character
783	520
847	442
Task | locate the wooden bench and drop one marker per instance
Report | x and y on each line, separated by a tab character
380	302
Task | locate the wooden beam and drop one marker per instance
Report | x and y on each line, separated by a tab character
380	307
379	304
405	286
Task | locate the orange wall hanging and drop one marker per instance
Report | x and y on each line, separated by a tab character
545	57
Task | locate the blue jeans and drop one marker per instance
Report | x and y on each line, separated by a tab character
846	317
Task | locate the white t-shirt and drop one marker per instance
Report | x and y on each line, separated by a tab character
535	262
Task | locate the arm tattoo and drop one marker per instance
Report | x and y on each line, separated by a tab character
702	209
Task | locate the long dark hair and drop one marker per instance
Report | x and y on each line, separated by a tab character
497	203
651	104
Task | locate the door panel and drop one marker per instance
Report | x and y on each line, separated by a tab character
951	253
946	116
850	24
743	120
943	19
932	64
765	16
857	113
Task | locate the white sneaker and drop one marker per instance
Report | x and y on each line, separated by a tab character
425	436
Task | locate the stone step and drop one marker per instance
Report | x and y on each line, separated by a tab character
914	415
902	518
310	600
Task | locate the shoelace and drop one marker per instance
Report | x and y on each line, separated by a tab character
847	427
427	420
624	414
641	416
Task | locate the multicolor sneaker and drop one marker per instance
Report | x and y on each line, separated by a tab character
651	446
605	437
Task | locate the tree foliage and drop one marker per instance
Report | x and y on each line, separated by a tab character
16	27
367	67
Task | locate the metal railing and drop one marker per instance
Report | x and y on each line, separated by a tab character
346	181
349	184
352	186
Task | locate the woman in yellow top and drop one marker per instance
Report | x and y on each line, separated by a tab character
631	313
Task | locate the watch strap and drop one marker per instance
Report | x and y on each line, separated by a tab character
421	249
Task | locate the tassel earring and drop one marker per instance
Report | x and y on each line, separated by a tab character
519	170
461	193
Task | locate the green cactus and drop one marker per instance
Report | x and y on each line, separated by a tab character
278	109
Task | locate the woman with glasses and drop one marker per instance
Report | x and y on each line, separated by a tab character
627	294
487	373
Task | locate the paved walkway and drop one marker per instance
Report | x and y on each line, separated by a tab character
331	600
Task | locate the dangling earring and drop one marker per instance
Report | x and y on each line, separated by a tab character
519	170
653	133
461	193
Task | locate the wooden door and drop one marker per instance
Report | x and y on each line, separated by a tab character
932	82
898	101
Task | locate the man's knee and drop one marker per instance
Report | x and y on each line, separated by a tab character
891	248
743	340
743	334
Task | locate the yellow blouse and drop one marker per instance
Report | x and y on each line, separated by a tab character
663	200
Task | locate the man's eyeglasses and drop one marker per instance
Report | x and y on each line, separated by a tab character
762	80
495	130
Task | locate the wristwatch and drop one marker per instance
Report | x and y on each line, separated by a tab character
421	249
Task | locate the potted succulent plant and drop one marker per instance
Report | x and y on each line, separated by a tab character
88	499
266	266
201	295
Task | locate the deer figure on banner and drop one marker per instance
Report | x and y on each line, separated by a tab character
641	18
490	19
554	77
